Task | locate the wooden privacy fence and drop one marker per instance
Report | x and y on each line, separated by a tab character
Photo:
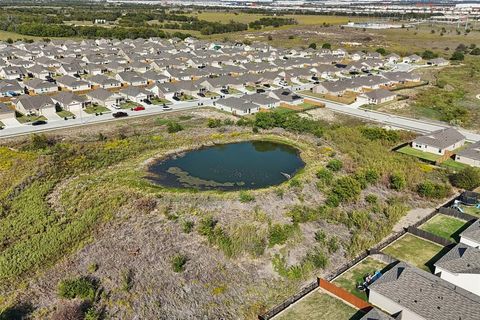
457	214
344	295
429	236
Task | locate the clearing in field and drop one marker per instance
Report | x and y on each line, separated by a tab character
319	305
415	251
444	226
350	279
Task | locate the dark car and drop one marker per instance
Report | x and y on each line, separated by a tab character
119	114
38	122
147	101
225	91
260	91
201	94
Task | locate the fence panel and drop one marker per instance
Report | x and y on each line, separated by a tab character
343	294
429	236
457	214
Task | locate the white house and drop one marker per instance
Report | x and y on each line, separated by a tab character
470	155
440	141
461	267
73	83
39	86
471	235
379	96
420	295
136	94
237	106
105	98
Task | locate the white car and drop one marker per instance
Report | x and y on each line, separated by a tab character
166	108
116	106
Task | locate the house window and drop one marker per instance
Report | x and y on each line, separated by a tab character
439	150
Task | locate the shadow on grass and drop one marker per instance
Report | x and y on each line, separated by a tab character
17	312
430	263
456	235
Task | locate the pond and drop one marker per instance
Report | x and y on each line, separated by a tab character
233	166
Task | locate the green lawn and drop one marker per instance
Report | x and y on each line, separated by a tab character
444	226
452	164
419	154
27	119
65	114
355	275
413	250
2	124
128	105
319	305
250	88
96	109
210	94
471	210
234	91
157	101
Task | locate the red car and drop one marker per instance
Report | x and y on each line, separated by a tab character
138	108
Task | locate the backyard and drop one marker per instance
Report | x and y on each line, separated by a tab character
444	226
319	305
430	157
414	250
351	278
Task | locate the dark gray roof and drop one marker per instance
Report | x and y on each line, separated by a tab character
379	94
426	295
39	84
376	314
67	98
100	94
4	109
472	232
104	80
461	259
471	152
260	99
34	102
237	103
441	139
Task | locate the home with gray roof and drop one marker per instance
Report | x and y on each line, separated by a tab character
102	81
105	98
131	78
376	314
28	105
13	73
10	88
73	83
237	106
379	96
461	267
70	101
415	294
39	86
440	141
136	94
471	235
470	155
286	96
5	111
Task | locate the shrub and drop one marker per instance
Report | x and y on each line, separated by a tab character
178	262
457	56
92	267
214	123
92	314
346	189
335	165
371	199
301	214
279	234
332	200
126	280
317	258
295	183
326	46
320	236
429	189
174	126
371	176
467	178
397	181
187	226
375	133
325	176
246	197
313	46
68	310
206	226
83	288
333	245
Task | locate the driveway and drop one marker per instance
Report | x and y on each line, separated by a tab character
50	114
11	122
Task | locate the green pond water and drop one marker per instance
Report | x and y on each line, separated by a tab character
234	166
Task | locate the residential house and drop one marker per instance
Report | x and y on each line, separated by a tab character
39	86
470	155
10	88
39	72
461	266
286	96
412	59
136	94
105	98
392	58
438	62
237	106
379	96
37	105
262	100
418	295
471	235
440	141
73	83
13	73
102	81
131	78
70	101
5	111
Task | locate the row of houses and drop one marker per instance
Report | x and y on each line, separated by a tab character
452	292
449	142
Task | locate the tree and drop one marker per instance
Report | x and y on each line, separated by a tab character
397	181
427	54
347	189
313	46
270	38
467	178
475	52
457	56
382	51
326	45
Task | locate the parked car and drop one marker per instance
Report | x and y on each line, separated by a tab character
116	106
147	101
119	114
260	91
166	108
225	91
38	122
138	108
201	94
